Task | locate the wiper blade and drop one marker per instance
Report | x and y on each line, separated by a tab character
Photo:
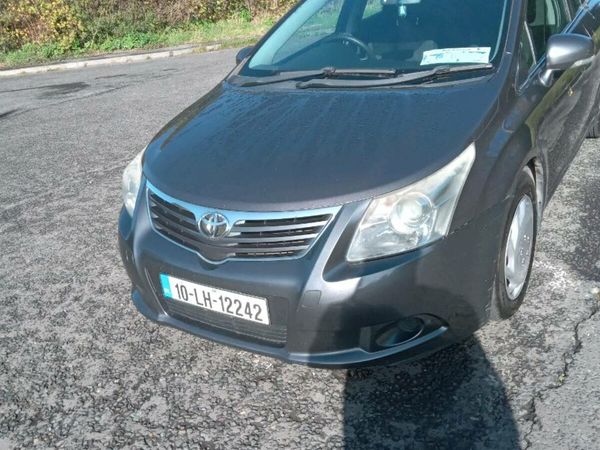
278	78
421	76
326	72
377	73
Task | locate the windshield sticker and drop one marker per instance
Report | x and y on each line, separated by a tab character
472	55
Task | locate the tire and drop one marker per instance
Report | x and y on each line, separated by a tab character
594	132
511	281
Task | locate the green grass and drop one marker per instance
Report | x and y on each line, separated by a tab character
231	32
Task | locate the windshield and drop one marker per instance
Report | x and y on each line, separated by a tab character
403	35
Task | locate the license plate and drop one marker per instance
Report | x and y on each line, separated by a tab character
234	304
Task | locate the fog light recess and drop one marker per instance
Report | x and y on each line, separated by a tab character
400	332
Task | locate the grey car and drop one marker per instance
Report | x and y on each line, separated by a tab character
368	183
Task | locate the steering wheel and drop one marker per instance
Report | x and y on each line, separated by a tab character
347	38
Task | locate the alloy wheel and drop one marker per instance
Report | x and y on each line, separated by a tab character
519	246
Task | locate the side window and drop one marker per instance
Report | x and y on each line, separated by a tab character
526	54
574	6
372	7
319	25
556	17
545	18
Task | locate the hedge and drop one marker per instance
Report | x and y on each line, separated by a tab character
72	24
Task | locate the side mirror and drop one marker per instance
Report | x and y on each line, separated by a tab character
563	51
242	54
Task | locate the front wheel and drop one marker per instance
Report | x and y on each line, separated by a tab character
517	249
594	132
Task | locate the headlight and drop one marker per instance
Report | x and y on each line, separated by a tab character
132	177
413	216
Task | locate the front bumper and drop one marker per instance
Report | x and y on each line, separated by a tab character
324	311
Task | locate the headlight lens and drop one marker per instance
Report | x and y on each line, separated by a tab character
413	216
132	178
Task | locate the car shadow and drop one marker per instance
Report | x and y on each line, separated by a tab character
453	399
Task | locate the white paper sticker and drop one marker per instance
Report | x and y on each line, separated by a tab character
472	55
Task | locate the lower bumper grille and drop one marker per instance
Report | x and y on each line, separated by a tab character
275	335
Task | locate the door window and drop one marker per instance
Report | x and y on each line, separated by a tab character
545	18
526	53
526	56
372	7
574	6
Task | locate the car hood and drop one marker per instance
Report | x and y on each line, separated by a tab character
279	149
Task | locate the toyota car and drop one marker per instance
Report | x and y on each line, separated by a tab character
367	184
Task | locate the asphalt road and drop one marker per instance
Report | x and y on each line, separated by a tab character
79	367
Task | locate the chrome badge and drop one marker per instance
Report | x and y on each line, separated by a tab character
214	225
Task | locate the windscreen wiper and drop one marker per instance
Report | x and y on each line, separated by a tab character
421	76
326	72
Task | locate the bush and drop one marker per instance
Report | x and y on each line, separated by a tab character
72	24
38	22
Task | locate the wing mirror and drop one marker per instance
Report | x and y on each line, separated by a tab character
243	54
565	50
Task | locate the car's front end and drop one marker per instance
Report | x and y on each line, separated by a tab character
364	282
333	216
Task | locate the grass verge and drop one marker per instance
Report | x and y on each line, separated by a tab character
230	32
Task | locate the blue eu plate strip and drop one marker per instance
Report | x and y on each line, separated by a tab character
166	286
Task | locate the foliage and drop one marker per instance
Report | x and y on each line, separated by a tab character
25	22
72	25
230	32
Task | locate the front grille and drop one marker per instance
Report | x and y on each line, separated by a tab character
275	335
252	235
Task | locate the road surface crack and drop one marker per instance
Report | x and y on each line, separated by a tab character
568	359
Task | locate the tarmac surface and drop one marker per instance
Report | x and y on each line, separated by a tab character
81	368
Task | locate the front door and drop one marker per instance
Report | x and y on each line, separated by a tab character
560	120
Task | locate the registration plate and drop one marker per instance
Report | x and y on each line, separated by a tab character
234	304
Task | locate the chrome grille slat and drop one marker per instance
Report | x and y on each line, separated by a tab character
269	239
289	248
173	215
191	234
281	222
277	228
171	206
181	239
253	235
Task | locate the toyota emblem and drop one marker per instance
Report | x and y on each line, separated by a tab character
214	225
